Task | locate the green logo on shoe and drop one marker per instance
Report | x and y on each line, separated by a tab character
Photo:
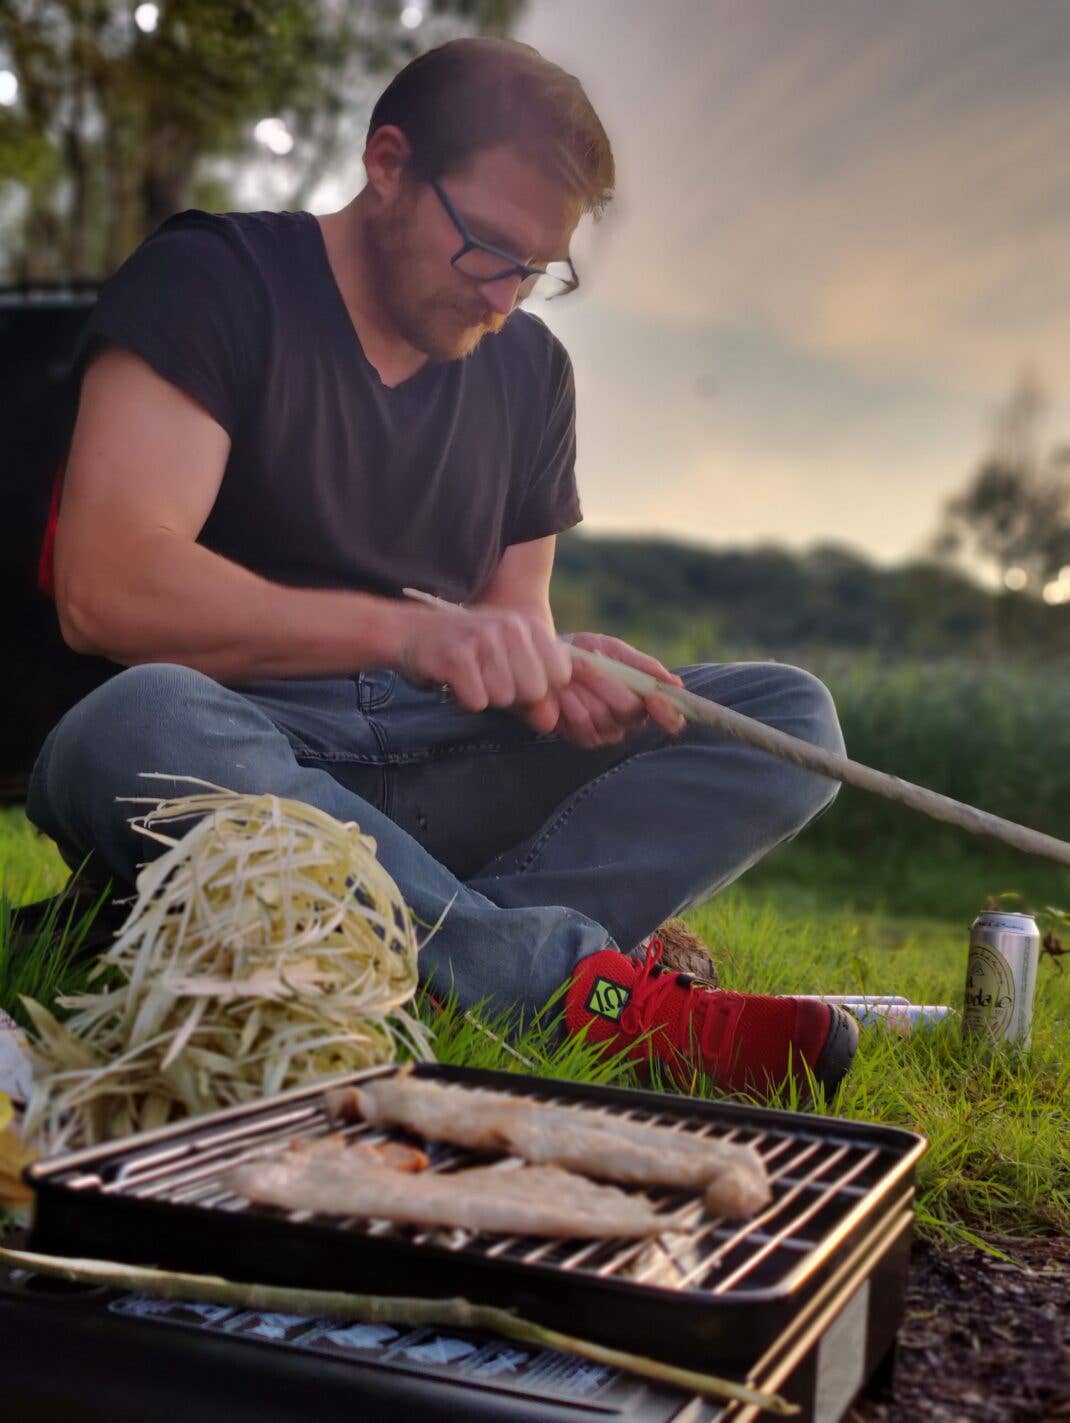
608	999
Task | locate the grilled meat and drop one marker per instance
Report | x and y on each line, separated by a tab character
606	1147
525	1200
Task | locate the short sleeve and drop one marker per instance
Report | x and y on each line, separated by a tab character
184	302
551	502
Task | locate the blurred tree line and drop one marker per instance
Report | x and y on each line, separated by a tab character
1011	521
692	604
118	114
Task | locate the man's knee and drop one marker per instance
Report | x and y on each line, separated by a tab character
137	707
139	720
815	709
813	717
151	685
145	718
792	700
778	693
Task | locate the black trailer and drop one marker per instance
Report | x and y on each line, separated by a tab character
40	326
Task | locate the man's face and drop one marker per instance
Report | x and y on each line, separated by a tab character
503	200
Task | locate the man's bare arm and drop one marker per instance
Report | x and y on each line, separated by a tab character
522	579
132	583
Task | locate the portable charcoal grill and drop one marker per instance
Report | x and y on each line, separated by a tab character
804	1298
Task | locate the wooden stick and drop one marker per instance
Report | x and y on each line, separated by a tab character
704	712
409	1311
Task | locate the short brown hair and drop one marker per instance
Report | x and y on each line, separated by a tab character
472	94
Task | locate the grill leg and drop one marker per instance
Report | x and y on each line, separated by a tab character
880	1383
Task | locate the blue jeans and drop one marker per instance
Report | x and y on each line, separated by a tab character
547	851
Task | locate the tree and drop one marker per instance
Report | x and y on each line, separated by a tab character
127	113
1014	515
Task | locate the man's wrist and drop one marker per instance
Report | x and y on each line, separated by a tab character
341	630
394	633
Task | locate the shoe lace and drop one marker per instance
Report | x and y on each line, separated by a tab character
648	990
654	983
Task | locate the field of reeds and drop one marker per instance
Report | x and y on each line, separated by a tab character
994	736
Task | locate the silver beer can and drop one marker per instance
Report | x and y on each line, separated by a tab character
901	1018
1001	976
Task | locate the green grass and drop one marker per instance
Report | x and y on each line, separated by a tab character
997	1122
30	869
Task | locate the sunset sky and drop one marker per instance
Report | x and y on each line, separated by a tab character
842	230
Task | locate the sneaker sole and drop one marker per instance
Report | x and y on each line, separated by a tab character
838	1052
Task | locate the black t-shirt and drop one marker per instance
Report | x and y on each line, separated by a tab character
335	480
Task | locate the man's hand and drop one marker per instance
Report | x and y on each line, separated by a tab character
489	658
595	710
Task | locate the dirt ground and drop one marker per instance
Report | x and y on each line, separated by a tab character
983	1341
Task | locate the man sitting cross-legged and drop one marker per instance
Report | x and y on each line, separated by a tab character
284	420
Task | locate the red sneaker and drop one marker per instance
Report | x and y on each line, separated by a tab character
741	1040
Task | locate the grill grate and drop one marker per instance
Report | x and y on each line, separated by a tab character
825	1175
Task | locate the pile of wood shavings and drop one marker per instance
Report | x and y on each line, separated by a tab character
267	947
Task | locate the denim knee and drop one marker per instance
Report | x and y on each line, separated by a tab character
780	694
140	710
815	719
816	705
794	701
127	725
156	717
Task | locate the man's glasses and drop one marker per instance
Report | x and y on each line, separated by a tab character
484	262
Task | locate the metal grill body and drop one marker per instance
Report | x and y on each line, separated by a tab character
724	1291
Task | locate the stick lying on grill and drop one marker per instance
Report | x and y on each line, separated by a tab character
576	1138
388	1309
527	1200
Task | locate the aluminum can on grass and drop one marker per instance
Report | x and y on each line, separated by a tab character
886	1010
902	1018
1001	976
855	1000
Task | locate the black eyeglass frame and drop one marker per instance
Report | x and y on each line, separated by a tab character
514	268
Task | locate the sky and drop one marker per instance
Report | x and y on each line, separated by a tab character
841	233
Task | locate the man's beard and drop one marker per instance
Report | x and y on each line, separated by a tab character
443	327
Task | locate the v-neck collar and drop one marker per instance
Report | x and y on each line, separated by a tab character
337	300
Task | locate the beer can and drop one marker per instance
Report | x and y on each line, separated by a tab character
902	1018
886	1010
1001	976
855	1000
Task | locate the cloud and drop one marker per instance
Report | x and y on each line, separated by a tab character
887	185
789	446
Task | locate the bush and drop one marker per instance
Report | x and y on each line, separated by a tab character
996	737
